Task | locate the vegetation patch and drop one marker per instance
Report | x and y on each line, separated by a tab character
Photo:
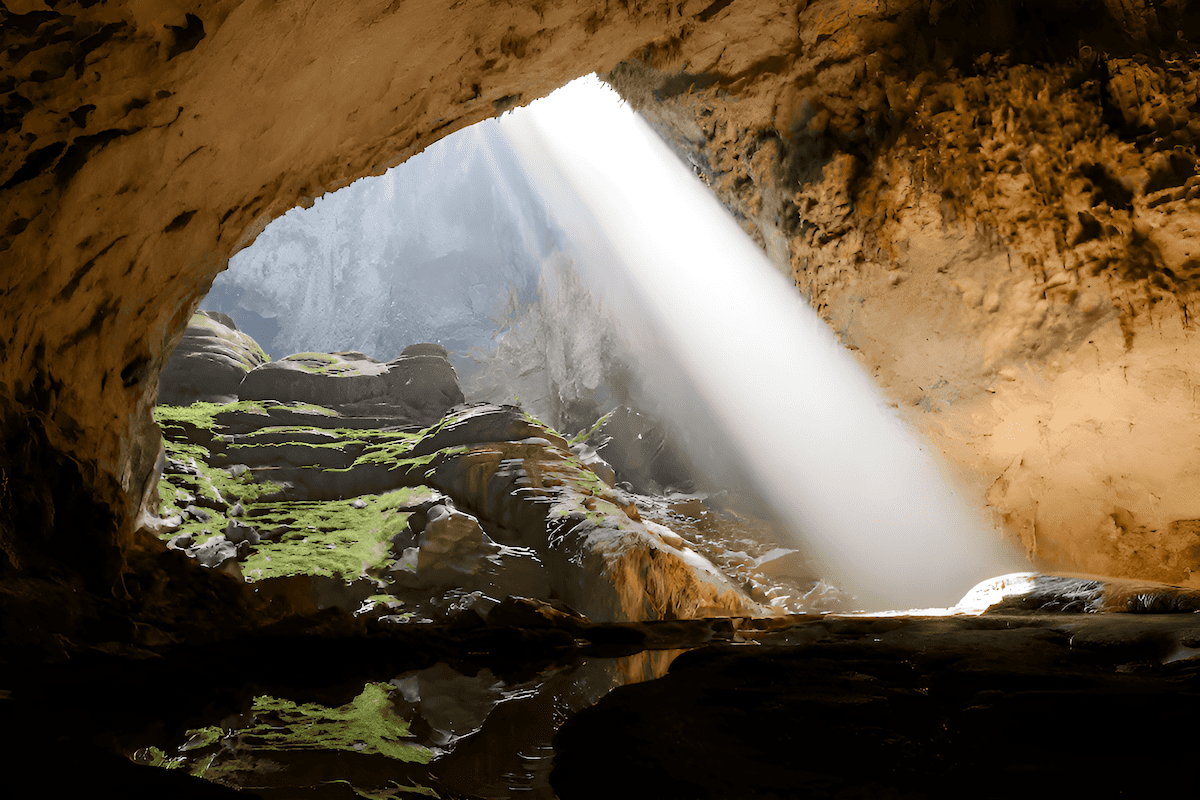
255	755
331	538
394	456
205	490
583	436
322	364
367	724
179	422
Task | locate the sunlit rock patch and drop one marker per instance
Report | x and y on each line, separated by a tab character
356	504
336	503
209	363
1001	225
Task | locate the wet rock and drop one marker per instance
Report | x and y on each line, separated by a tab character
198	514
598	557
1031	593
240	532
933	701
592	460
639	450
169	524
452	542
481	423
215	552
530	612
217	503
784	562
275	533
177	466
181	542
209	363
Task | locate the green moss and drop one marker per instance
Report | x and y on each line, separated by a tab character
175	421
583	477
331	538
583	436
178	421
345	435
199	738
262	354
154	757
173	489
367	724
310	408
328	358
535	421
393	455
321	364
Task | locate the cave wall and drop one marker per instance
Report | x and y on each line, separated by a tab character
996	206
991	201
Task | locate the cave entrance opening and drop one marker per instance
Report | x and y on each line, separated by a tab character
570	264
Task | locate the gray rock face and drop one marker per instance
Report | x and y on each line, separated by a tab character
210	362
638	448
420	387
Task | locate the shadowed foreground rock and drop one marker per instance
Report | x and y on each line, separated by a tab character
990	706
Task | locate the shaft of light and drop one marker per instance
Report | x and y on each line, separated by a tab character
866	497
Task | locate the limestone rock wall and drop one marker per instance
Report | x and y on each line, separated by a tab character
992	202
995	205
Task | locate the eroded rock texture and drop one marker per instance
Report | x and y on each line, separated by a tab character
996	207
992	202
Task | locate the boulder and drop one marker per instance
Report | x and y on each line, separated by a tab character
419	388
638	447
209	363
599	557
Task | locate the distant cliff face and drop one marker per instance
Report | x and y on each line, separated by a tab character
994	203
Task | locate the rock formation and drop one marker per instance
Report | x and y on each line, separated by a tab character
335	479
996	208
995	204
209	363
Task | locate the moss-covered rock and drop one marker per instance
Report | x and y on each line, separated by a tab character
209	363
419	387
316	510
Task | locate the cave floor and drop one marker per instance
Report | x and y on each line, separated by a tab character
820	706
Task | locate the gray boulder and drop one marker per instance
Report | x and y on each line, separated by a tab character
420	387
209	363
641	452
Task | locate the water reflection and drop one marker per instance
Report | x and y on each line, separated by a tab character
457	732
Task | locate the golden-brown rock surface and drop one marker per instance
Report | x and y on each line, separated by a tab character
997	209
994	203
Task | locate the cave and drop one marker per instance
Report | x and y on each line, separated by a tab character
992	204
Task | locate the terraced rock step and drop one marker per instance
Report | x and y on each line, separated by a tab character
317	507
